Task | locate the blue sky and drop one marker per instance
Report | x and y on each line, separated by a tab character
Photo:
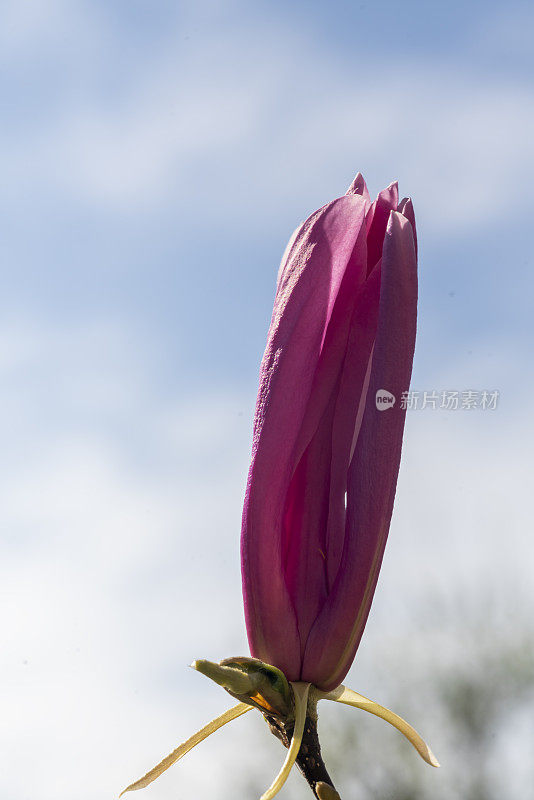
155	159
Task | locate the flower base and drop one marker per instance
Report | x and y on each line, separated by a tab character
290	710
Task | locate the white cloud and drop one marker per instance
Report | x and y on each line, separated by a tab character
116	570
218	120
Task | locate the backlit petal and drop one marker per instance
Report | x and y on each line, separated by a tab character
308	289
373	472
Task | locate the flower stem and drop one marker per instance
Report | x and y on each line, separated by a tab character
309	759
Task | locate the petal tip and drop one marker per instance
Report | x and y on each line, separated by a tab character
358	186
396	219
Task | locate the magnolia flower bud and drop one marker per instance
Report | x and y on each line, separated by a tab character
325	458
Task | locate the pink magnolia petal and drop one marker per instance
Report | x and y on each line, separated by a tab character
286	258
351	394
358	186
372	479
304	526
334	344
406	209
314	518
308	287
377	220
318	485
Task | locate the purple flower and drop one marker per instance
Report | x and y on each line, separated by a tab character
321	485
325	454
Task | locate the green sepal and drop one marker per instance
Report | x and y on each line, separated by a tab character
251	681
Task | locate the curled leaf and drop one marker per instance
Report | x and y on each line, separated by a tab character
350	698
196	738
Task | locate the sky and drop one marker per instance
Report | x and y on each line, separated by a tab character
155	158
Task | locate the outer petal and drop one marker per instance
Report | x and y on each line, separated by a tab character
373	473
358	186
308	287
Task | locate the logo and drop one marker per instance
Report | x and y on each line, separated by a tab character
384	400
